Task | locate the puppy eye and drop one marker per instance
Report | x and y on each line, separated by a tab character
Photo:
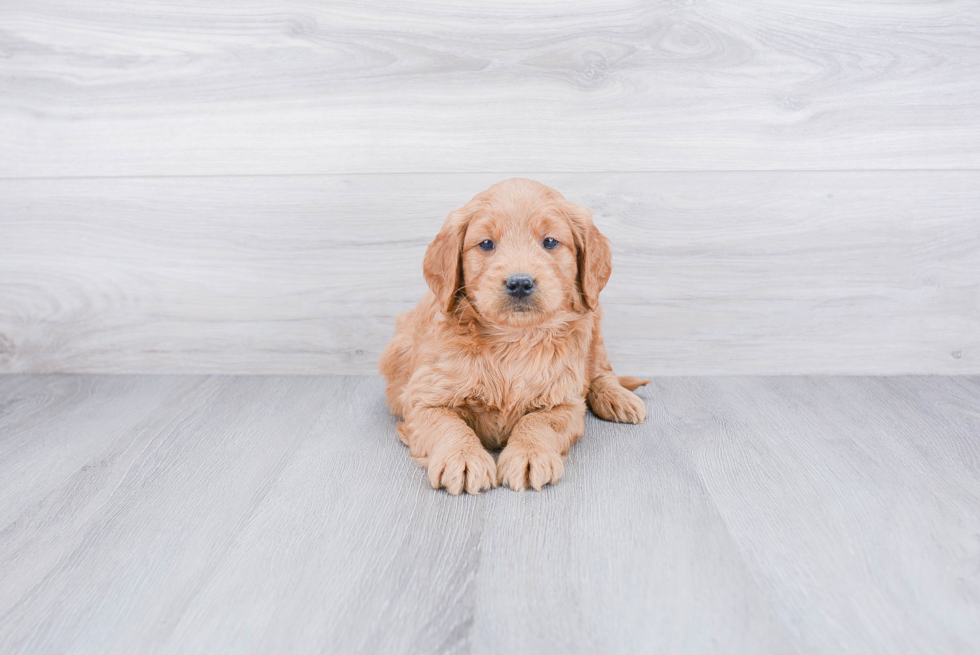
550	243
486	244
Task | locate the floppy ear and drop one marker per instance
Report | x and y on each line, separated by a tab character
594	256
443	263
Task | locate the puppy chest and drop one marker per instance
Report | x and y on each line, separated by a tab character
510	387
496	405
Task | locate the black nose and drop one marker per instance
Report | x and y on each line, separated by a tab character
519	286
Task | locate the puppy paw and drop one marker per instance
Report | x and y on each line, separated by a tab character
521	465
460	467
615	403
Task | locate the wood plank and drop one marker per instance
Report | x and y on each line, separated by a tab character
167	504
850	503
204	88
502	572
714	273
627	554
73	417
349	551
270	514
264	514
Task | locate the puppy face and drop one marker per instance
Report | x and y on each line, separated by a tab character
520	253
519	260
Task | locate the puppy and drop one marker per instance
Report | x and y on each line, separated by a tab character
506	349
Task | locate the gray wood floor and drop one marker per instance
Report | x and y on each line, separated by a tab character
275	514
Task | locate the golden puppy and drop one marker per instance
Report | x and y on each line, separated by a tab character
506	349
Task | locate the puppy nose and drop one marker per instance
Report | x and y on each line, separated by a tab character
519	286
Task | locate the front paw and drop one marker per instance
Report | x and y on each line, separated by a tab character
462	466
615	403
522	464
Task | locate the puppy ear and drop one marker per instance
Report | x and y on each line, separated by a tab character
594	256
443	263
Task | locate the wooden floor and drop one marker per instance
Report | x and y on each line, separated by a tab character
281	514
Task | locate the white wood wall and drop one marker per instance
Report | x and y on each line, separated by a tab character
199	186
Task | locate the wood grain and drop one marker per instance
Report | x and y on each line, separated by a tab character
714	273
857	487
267	514
69	414
626	555
159	510
118	88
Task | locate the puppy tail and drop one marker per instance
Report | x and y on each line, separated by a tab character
631	382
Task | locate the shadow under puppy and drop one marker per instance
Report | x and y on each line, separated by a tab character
506	349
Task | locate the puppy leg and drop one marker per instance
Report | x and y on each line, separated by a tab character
611	399
537	445
442	441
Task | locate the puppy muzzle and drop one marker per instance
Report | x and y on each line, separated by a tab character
519	286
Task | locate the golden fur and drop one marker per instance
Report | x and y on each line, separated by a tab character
472	368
